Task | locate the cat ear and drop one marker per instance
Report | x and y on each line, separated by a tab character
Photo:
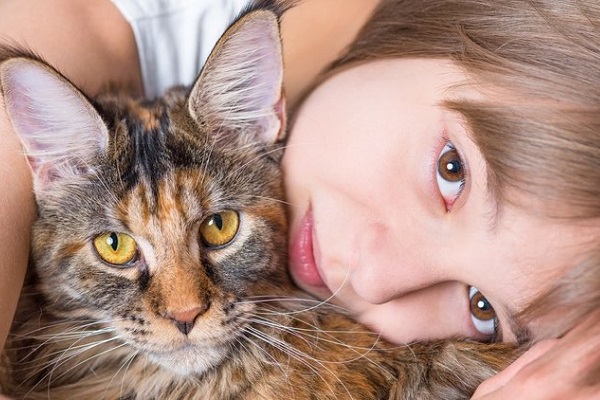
240	87
59	128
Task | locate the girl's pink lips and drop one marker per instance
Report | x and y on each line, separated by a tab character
303	266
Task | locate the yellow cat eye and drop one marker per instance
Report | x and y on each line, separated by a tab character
219	229
115	247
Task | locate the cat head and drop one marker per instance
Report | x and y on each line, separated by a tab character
160	220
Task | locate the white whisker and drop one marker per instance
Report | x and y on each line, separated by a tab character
126	364
297	355
81	351
66	356
274	200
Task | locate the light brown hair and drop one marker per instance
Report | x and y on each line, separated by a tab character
538	63
545	54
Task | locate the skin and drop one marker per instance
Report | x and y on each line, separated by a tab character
85	53
376	231
547	371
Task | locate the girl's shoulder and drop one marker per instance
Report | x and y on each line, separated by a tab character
88	41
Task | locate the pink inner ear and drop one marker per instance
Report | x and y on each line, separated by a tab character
25	123
267	59
46	173
59	128
241	84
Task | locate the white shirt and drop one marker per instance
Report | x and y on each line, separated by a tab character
175	37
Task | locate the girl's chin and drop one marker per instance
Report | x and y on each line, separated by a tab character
319	291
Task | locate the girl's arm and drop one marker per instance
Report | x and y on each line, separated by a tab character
16	214
91	44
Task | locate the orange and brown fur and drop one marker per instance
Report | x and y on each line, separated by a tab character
185	318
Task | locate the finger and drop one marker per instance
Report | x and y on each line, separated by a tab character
560	370
576	355
501	379
552	369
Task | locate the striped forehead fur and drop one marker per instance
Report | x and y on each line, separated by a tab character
176	142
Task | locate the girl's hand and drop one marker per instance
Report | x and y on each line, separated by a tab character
558	369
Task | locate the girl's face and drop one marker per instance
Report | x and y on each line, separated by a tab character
392	217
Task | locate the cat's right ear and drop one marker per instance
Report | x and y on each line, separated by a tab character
240	87
60	130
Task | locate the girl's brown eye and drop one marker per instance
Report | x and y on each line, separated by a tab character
450	166
450	175
219	229
115	248
481	308
483	315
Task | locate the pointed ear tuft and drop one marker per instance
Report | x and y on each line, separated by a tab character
60	130
240	87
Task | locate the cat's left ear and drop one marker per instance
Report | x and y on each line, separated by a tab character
241	85
59	128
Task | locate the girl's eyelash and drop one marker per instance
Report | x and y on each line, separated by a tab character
497	336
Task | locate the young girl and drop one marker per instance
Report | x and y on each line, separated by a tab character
440	175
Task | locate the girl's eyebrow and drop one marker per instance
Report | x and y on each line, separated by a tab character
493	207
492	199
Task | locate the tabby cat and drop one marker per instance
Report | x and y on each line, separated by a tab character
159	250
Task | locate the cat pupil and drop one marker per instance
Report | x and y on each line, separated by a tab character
217	220
113	241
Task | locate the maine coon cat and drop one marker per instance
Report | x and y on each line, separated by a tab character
159	250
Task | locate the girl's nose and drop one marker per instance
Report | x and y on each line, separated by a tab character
384	266
435	312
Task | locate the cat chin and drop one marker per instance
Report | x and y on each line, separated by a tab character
190	360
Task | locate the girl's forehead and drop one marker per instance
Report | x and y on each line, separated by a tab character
442	82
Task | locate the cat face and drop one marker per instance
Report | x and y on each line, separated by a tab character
160	221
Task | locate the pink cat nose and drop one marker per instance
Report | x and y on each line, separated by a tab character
185	320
